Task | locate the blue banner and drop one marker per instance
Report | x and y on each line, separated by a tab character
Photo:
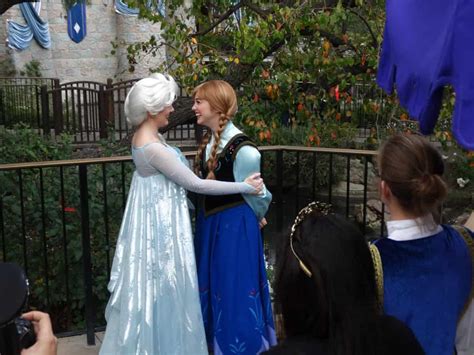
76	22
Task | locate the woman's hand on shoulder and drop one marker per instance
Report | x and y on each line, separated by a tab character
256	181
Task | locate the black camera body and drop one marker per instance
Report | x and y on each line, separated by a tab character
16	333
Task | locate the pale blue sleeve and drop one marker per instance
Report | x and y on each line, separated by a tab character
181	156
247	162
169	164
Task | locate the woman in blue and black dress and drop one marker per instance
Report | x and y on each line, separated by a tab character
233	285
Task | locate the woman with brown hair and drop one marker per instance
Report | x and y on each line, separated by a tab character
427	267
233	285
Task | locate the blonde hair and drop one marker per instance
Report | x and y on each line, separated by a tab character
223	100
151	95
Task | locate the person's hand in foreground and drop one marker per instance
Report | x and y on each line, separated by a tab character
46	342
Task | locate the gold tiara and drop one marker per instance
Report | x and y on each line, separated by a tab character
323	209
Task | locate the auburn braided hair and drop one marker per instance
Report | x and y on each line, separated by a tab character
197	158
222	99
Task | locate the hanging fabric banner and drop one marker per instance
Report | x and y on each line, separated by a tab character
123	9
20	36
76	22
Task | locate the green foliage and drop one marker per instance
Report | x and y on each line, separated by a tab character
41	216
22	144
7	67
69	3
32	69
459	168
304	60
19	102
16	107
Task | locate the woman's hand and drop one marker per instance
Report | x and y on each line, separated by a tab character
46	342
256	182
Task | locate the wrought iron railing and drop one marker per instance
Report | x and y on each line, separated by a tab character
60	219
87	110
91	110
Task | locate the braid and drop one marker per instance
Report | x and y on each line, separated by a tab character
197	158
212	162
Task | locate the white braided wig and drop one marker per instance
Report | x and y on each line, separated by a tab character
151	95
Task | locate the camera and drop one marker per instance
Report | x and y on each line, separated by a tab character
16	333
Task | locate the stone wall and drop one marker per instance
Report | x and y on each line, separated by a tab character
90	59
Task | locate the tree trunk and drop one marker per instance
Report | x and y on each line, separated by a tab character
6	4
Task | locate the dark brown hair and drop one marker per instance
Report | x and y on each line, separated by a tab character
413	169
338	301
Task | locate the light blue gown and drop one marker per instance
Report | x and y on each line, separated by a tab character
154	304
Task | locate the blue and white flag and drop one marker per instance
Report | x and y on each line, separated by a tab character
123	9
20	36
76	22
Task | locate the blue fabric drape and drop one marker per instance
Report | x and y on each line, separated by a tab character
20	36
123	9
428	45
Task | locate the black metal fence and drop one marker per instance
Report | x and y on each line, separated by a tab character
59	220
91	110
20	100
87	110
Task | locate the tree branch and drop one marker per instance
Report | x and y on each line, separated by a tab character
220	20
331	37
256	9
237	73
375	43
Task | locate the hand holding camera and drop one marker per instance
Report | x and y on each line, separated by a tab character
46	342
29	334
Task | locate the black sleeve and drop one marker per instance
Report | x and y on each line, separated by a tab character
394	337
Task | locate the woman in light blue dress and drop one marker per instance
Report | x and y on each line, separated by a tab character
154	304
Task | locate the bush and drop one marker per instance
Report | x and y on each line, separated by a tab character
42	227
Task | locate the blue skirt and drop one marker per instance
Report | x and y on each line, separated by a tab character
233	285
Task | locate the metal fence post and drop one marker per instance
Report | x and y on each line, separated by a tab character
86	254
58	115
109	96
45	110
279	196
58	111
2	107
103	108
